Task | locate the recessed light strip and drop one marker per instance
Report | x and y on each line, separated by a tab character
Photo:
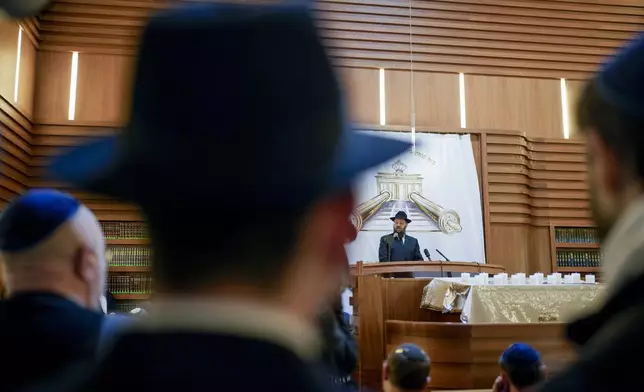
383	109
461	98
72	87
564	108
16	83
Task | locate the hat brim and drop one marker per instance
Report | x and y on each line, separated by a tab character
360	151
96	166
101	166
393	219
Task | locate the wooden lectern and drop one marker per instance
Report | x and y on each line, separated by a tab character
377	299
387	312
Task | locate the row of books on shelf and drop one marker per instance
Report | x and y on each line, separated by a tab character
135	283
124	230
578	258
130	256
576	235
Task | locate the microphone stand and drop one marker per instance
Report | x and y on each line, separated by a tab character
449	274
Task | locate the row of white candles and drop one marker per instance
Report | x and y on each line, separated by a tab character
520	278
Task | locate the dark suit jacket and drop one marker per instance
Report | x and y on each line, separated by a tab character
411	248
340	354
111	302
610	342
189	361
43	333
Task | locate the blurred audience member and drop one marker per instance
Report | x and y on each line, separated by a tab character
3	285
610	114
53	250
108	303
406	370
521	369
237	301
340	353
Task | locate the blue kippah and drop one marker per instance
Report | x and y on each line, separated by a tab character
409	366
621	80
520	354
33	217
411	352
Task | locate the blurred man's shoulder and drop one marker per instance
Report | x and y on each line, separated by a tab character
605	362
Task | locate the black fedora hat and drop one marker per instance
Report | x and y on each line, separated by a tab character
401	215
231	101
622	76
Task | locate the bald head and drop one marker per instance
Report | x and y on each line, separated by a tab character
52	243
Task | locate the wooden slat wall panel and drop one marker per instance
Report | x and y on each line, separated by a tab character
361	86
533	38
31	30
436	99
27	82
529	105
16	110
98	102
530	185
573	89
8	56
51	103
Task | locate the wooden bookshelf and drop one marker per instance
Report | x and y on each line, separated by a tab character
129	261
581	270
574	249
120	268
131	296
127	241
576	246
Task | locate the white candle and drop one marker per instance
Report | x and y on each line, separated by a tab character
539	277
465	277
590	278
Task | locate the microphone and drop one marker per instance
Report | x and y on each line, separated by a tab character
427	254
441	253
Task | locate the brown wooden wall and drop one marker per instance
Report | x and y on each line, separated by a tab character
16	104
512	53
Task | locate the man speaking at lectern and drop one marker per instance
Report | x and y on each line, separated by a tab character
398	246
